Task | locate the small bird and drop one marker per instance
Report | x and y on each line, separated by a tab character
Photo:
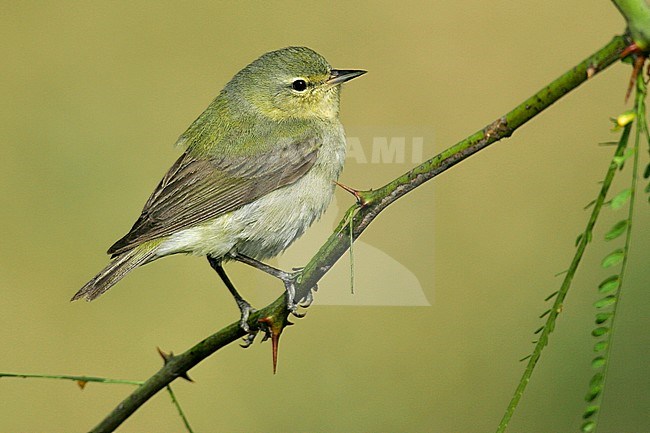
259	167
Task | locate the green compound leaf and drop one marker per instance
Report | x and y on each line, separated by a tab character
600	346
605	302
596	381
590	411
602	318
621	198
592	395
617	230
600	331
613	258
588	427
646	173
598	362
609	284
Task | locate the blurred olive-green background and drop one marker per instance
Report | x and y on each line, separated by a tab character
94	95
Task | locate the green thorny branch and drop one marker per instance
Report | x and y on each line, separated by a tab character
371	203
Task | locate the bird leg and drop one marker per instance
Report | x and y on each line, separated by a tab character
288	279
244	307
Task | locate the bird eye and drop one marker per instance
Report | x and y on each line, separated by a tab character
299	85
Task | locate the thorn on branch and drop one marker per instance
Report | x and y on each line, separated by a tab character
362	197
639	57
167	358
273	327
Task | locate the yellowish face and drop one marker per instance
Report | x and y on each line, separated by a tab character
305	97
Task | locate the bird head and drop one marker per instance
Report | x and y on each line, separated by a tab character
290	83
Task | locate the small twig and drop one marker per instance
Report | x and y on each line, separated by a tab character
80	379
180	410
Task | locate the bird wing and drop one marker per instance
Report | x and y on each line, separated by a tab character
195	189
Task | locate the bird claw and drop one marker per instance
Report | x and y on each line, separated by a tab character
291	304
288	278
264	327
307	300
246	310
250	337
290	287
248	340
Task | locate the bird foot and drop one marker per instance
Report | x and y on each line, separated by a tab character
307	300
249	339
289	280
246	310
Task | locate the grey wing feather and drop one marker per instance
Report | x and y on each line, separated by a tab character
196	190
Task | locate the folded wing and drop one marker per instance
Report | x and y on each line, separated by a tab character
196	190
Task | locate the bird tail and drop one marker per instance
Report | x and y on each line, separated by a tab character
119	266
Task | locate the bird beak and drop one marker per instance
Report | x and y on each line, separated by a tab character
338	76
